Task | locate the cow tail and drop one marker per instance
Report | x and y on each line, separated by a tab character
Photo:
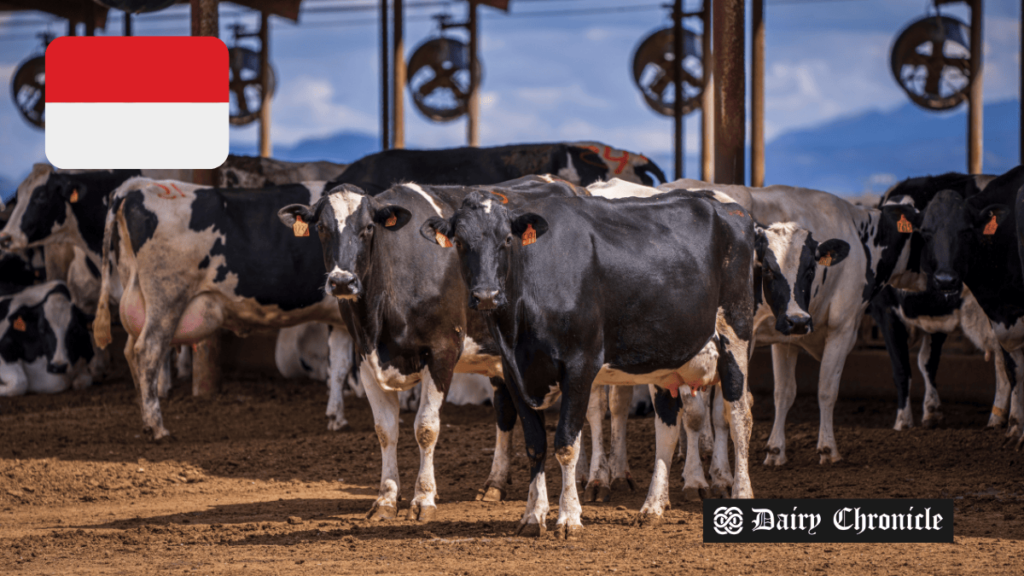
101	325
509	360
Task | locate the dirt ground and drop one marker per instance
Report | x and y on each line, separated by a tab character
251	482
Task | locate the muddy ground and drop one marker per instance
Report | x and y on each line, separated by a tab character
251	482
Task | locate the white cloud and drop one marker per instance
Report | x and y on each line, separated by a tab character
549	97
306	107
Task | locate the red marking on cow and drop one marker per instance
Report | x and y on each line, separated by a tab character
504	199
622	160
991	227
736	213
530	235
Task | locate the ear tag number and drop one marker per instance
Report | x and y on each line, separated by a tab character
904	225
19	324
442	240
826	260
300	228
530	235
74	196
391	221
990	228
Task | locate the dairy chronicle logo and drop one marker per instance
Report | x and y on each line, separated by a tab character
728	520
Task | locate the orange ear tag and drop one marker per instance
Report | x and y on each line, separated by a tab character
74	196
530	236
442	240
826	260
990	228
300	228
904	225
19	324
391	221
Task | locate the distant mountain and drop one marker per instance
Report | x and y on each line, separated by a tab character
343	147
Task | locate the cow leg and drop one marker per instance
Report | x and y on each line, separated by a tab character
666	418
567	451
1001	402
339	364
894	332
695	486
619	400
533	521
1014	365
928	363
183	364
13	380
733	358
384	404
837	348
427	426
721	471
599	480
706	442
166	381
152	359
505	418
784	368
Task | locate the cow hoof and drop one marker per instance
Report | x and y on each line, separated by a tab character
775	457
604	494
695	493
159	433
590	493
1012	430
620	484
568	531
531	530
381	512
336	424
828	456
647	519
422	513
719	490
931	421
995	421
491	494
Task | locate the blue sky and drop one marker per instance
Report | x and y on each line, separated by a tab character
555	77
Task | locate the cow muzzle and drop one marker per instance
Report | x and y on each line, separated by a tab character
343	285
947	282
485	299
57	367
5	241
795	324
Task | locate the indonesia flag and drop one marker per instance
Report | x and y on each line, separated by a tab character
137	102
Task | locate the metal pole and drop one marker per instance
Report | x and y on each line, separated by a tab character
72	28
976	102
707	113
127	23
206	374
398	92
730	91
385	111
677	84
473	111
265	144
1021	94
757	98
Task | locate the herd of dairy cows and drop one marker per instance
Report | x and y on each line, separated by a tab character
557	271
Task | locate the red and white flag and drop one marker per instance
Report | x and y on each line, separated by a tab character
137	102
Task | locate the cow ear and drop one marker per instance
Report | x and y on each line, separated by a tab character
290	214
760	242
437	230
905	217
990	218
392	217
529	227
70	191
832	252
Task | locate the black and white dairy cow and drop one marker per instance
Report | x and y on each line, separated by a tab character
785	261
257	172
44	340
836	299
975	241
581	292
406	306
191	260
581	164
934	314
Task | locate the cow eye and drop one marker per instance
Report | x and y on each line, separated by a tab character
508	240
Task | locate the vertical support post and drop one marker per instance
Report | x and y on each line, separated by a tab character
72	27
677	84
473	111
1020	95
265	143
730	91
398	91
707	112
206	354
757	98
127	23
975	101
385	95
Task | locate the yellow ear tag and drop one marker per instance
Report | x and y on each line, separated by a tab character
990	228
74	196
530	236
826	260
300	228
19	324
904	225
391	221
442	240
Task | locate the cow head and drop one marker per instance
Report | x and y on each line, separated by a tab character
788	258
951	229
32	212
486	235
347	220
48	326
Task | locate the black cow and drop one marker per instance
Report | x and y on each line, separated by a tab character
588	291
973	241
582	163
406	306
44	340
936	317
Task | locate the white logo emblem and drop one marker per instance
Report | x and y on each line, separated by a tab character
728	520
